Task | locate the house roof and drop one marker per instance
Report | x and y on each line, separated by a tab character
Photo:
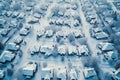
1	73
62	49
101	35
72	49
73	74
47	72
111	55
83	49
89	72
61	73
6	56
107	46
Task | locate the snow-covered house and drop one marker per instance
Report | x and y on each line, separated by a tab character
15	14
21	15
72	50
110	55
116	75
24	32
109	20
29	69
59	34
33	20
6	56
2	74
96	30
73	75
83	50
59	21
2	22
18	40
40	33
78	33
12	47
13	24
49	33
34	49
61	74
62	50
105	46
101	35
46	73
4	32
8	13
89	73
47	49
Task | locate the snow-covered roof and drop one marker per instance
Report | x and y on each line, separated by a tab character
83	50
109	20
111	55
24	32
49	33
62	49
96	30
2	21
12	46
29	69
21	15
15	14
72	49
46	48
106	46
34	49
90	72
117	74
60	33
18	40
101	35
47	72
41	32
61	73
2	74
6	56
73	75
4	32
78	33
